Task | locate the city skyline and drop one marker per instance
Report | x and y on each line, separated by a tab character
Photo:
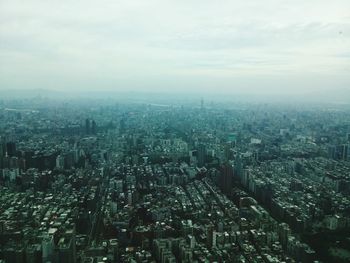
86	181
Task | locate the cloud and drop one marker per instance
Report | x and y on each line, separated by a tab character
147	44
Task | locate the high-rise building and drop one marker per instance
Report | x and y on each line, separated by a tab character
339	152
60	162
93	127
238	166
344	152
47	248
209	229
226	178
33	253
2	150
11	148
66	248
87	126
201	155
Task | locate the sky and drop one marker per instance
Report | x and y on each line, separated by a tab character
251	46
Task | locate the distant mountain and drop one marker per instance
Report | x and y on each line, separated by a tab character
30	93
338	96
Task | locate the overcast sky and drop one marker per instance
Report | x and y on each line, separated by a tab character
250	46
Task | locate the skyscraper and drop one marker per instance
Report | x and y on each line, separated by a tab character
201	154
93	127
226	178
87	126
11	148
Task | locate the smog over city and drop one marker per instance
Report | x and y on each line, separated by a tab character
174	131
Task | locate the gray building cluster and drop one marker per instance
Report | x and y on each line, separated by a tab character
104	182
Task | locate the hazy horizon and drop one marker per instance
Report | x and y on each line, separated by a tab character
267	48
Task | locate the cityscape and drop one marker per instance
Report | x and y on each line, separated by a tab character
95	181
166	131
